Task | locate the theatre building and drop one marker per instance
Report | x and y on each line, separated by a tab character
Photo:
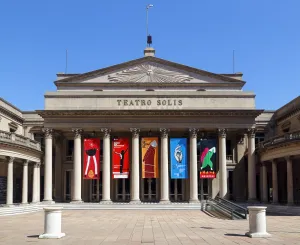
147	130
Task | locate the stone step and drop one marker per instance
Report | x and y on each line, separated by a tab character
14	210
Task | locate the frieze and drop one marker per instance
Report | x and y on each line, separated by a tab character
82	113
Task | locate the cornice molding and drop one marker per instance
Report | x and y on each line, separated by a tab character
12	115
183	113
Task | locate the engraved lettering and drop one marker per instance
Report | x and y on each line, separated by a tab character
131	102
137	102
125	102
119	102
179	102
149	102
158	102
143	103
164	102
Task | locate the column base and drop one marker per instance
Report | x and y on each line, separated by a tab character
25	204
194	201
52	236
76	202
9	205
105	202
257	234
135	202
164	202
47	202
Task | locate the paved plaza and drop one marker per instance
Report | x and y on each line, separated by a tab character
145	227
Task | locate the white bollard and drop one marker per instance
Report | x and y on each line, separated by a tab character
52	223
257	222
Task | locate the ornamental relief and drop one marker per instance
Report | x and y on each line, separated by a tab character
149	73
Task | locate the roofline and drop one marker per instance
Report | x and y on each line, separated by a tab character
5	101
105	70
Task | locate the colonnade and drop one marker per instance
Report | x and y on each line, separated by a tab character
35	185
289	172
135	174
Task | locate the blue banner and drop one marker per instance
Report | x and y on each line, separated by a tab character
178	151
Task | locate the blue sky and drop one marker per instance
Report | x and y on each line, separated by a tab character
200	33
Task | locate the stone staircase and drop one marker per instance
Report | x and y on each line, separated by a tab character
19	209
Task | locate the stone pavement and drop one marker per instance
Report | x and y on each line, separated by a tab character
145	227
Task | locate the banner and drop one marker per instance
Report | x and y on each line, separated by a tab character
208	152
178	151
91	159
120	148
149	157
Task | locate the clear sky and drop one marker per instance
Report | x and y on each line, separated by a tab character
35	34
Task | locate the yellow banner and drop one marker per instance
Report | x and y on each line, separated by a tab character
149	157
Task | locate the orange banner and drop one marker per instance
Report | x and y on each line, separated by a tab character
149	157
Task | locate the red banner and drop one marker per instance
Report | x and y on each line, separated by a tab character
91	159
150	157
120	148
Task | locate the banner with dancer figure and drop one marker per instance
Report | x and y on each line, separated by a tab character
91	159
149	157
208	158
120	148
178	151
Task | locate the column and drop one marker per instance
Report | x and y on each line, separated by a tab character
164	185
38	181
290	189
76	198
58	169
48	166
10	181
274	182
106	166
222	163
25	183
35	183
251	165
193	166
135	167
264	183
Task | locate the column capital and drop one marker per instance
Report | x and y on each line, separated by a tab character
288	158
222	132
193	132
251	132
106	132
10	159
77	132
37	164
135	132
164	132
25	162
48	132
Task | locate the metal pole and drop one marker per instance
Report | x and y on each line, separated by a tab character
147	20
202	194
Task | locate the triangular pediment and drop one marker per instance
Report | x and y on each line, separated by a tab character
147	71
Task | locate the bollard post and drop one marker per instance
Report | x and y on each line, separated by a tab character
52	223
257	222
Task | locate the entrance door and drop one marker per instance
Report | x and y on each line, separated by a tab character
96	189
68	185
150	190
122	190
176	190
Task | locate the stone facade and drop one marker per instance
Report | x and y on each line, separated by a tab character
143	97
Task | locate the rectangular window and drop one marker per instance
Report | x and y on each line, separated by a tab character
70	147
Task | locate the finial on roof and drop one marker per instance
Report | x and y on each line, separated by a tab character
149	51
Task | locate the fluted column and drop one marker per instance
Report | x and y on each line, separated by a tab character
164	187
251	165
135	170
106	166
274	182
193	166
264	183
35	183
76	197
25	183
48	166
10	181
222	163
290	189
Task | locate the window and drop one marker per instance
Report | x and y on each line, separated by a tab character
70	147
228	148
259	137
